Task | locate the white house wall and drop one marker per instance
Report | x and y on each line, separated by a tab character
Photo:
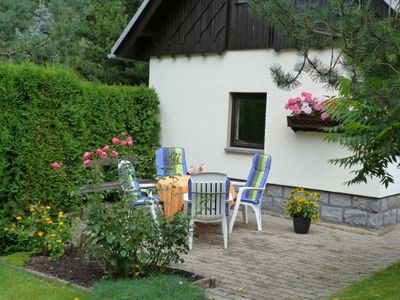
194	94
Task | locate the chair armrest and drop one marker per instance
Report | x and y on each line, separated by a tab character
186	197
147	185
237	184
245	188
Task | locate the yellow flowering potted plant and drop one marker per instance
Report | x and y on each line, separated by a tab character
302	206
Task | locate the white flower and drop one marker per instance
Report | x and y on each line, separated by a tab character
306	109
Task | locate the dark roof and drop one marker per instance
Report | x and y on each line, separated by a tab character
176	27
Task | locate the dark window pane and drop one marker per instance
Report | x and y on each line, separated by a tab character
248	120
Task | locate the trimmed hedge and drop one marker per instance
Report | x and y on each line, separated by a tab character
49	114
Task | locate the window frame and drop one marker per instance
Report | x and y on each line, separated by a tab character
233	124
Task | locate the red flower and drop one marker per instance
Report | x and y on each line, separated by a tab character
130	141
87	162
87	154
124	143
56	165
101	153
114	153
115	140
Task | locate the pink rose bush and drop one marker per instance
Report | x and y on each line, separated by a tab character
118	144
307	104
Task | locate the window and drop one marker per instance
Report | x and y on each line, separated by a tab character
248	120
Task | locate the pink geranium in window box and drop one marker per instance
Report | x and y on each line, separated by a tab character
307	104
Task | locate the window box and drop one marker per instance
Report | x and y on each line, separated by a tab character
309	123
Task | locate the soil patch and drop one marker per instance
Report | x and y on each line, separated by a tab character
70	268
82	271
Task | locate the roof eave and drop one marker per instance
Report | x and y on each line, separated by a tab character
131	23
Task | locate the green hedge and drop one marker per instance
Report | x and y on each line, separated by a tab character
49	114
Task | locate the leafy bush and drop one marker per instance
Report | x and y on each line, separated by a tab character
40	231
49	114
128	242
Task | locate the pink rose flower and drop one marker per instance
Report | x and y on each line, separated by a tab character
87	162
123	143
105	148
115	140
87	154
101	153
114	153
324	116
130	141
56	165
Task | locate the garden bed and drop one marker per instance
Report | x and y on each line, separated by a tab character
84	272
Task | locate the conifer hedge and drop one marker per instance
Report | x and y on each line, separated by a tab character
49	114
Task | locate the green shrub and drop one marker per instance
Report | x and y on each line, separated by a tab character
128	242
41	231
49	114
152	288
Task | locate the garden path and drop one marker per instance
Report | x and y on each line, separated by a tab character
276	263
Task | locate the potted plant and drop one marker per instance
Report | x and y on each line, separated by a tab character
302	206
308	113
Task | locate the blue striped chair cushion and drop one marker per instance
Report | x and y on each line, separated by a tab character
257	177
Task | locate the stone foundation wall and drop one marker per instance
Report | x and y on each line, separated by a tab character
352	210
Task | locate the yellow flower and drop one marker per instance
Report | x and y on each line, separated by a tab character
18	218
40	233
48	207
59	241
49	246
50	222
53	235
61	223
32	209
13	226
60	214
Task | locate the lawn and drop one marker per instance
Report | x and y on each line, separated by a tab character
18	284
382	285
165	287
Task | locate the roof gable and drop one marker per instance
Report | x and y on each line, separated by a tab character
186	27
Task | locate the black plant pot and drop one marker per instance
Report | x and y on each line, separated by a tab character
301	225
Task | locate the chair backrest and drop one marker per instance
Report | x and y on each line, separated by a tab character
127	178
258	176
170	161
208	193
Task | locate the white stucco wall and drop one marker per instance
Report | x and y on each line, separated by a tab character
194	95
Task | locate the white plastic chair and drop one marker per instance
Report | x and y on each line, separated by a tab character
208	198
251	193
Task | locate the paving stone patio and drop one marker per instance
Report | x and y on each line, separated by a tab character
276	263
